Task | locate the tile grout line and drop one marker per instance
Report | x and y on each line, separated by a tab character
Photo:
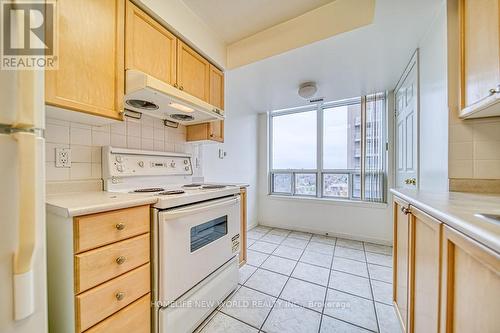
373	296
283	288
327	285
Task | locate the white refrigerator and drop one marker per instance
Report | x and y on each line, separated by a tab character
23	282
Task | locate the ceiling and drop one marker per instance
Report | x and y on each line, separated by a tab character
233	20
361	61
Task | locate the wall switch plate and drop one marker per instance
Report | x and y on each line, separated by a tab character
63	158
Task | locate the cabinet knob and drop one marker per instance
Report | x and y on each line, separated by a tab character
495	91
175	85
181	88
120	295
120	260
120	226
405	210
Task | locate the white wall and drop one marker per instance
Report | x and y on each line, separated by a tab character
365	221
240	164
434	106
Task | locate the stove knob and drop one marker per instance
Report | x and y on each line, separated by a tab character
141	164
119	159
172	164
119	167
186	162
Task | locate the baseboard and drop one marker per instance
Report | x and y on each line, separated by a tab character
328	233
490	186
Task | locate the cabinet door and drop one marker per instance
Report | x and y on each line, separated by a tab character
480	49
401	259
91	61
470	299
425	276
216	87
216	131
193	72
150	47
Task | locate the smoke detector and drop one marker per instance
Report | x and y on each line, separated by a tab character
307	90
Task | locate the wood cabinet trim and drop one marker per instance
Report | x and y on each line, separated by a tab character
243	227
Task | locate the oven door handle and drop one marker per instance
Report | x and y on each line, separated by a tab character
177	213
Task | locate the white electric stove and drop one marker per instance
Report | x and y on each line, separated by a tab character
195	234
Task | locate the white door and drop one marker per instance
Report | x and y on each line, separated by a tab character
406	132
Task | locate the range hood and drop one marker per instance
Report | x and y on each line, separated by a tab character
150	96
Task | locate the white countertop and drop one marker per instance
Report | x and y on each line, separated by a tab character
83	203
458	211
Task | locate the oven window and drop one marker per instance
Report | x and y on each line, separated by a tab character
208	232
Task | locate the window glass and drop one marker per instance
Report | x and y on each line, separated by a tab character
305	183
294	141
342	137
282	183
336	185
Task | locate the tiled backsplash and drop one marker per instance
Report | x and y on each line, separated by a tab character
474	148
86	141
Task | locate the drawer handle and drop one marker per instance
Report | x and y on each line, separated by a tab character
120	226
120	295
405	210
120	260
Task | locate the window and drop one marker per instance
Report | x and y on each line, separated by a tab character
331	150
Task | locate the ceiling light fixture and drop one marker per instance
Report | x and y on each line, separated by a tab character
307	90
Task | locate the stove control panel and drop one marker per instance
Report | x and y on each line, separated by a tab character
119	162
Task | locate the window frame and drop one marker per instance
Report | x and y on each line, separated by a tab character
320	171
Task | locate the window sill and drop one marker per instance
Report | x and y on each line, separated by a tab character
330	201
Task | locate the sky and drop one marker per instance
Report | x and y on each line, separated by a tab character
294	140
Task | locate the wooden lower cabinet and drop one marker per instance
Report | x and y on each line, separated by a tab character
243	227
99	276
424	273
470	295
444	281
401	260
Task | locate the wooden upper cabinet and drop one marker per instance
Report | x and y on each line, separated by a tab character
212	131
425	269
470	289
90	76
479	53
193	72
401	260
149	47
216	87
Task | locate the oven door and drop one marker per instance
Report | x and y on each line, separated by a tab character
194	241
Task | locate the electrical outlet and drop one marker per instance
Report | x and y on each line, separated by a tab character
63	158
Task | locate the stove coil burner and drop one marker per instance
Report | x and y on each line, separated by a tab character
191	186
212	187
172	192
148	190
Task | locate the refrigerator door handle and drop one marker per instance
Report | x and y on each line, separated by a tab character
24	300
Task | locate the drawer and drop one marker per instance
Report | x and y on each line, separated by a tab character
134	318
95	230
102	301
96	266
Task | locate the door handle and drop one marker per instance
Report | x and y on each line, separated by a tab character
24	280
176	213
